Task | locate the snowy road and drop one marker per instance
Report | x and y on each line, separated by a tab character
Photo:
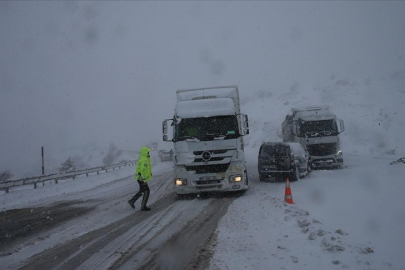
350	218
172	236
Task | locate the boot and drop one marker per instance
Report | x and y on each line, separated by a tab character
145	208
132	203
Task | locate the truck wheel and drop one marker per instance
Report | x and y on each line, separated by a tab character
342	165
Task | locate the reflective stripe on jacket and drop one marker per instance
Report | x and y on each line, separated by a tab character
143	166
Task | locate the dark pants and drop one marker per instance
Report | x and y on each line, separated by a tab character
143	189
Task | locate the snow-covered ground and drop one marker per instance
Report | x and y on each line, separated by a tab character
350	218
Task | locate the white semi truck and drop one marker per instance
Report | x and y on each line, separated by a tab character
317	129
208	130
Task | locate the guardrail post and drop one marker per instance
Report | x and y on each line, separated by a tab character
35	185
56	181
87	174
7	189
43	164
98	172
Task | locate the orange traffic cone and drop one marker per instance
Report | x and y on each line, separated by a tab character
288	196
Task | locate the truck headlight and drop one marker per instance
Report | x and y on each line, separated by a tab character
235	178
339	153
180	182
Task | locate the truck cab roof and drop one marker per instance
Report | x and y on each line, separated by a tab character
220	100
205	108
310	108
313	113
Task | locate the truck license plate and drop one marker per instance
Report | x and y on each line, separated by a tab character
208	178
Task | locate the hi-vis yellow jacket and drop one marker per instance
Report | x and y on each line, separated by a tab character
143	165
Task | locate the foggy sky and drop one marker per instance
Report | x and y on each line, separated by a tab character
84	74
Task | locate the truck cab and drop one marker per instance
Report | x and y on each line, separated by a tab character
208	131
317	129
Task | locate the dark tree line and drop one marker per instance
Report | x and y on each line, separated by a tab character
6	175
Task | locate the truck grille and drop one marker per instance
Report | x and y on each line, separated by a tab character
211	159
323	149
216	168
199	153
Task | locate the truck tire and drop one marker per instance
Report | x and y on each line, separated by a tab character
342	165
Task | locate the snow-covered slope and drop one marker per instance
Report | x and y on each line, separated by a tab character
371	107
350	218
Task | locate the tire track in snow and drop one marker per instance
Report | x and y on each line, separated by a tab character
76	251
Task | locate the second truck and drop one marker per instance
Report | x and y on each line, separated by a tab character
317	129
208	130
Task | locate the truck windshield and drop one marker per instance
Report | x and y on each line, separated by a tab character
319	128
207	128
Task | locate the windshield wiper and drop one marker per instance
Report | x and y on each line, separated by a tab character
216	136
183	138
312	134
327	133
319	133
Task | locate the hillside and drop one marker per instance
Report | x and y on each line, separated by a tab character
371	108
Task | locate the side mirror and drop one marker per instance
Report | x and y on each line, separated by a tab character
295	129
246	125
164	130
341	126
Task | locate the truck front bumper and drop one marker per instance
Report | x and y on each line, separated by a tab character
319	162
187	182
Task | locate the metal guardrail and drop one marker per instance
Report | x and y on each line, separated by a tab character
6	185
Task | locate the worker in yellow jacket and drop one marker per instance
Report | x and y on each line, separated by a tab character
142	176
